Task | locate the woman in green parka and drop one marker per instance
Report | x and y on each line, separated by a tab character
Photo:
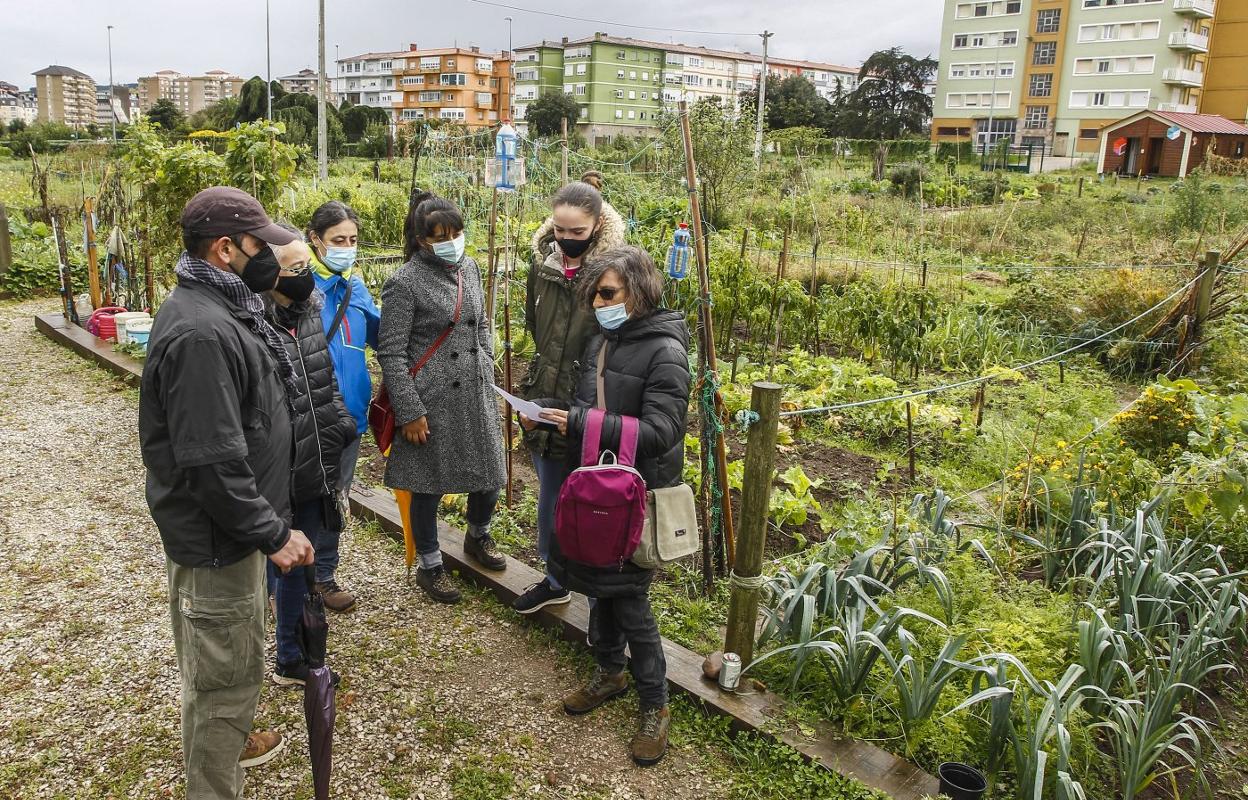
581	226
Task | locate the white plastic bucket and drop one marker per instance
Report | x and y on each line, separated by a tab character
123	321
138	331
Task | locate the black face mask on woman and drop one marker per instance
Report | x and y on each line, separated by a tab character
260	272
575	248
296	287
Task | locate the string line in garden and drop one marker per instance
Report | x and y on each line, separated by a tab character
985	378
837	259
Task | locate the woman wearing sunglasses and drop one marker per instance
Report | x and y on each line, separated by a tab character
436	352
646	376
321	428
581	226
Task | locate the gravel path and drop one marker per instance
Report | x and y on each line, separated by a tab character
435	702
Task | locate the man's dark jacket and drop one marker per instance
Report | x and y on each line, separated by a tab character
215	432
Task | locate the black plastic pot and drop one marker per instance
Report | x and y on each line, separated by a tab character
961	782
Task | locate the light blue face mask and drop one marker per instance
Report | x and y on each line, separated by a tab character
339	259
611	317
451	252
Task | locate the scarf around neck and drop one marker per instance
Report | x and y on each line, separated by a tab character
195	270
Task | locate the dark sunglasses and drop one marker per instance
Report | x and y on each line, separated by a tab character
607	294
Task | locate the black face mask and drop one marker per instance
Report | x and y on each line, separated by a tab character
296	287
575	248
260	273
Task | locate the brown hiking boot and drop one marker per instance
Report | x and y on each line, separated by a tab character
485	551
650	743
437	584
336	598
601	688
261	748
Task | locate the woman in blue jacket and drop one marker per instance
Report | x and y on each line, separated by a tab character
351	320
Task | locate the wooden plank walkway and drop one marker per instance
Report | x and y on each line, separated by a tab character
759	712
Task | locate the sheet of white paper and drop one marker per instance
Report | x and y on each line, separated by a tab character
529	409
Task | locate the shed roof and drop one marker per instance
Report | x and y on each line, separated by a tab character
1193	123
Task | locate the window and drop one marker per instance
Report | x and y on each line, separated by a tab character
1040	85
1122	65
619	94
567	70
976	100
1048	20
632	75
1122	31
429	63
645	76
429	97
484	65
450	63
453	79
581	69
1089	133
580	89
619	114
452	113
694	61
1104	65
1036	117
632	115
1114	3
484	98
1131	98
632	95
620	56
584	112
414	80
619	74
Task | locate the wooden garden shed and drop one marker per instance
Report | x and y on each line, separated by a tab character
1168	143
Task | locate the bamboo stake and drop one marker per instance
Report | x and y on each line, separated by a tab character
709	363
93	267
563	127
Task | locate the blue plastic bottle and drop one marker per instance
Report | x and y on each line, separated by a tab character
505	152
678	254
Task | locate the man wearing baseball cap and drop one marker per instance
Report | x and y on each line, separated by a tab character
215	431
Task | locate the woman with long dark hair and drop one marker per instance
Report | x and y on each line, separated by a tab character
437	359
350	320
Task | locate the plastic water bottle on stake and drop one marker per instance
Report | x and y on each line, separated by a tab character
679	253
506	172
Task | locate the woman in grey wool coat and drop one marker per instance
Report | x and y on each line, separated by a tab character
448	439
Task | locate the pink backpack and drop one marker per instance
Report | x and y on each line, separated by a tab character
602	505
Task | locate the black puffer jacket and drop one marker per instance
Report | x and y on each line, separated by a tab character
647	376
320	424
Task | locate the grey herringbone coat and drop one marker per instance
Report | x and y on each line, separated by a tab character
453	390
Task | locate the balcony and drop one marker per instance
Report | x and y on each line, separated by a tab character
1193	78
1190	42
1201	9
1179	108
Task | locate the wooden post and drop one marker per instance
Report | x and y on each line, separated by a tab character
745	238
981	398
710	365
1080	194
6	249
760	465
93	265
814	295
563	128
1204	300
149	280
1061	372
923	276
910	437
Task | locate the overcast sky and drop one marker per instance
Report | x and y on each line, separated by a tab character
194	37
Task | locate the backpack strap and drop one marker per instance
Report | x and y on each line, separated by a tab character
342	312
630	434
592	438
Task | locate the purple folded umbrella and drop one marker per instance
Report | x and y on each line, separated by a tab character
319	708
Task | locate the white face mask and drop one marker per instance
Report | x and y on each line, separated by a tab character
451	252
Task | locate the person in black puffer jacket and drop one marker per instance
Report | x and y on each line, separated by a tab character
321	427
646	376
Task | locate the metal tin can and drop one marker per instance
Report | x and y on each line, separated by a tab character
730	672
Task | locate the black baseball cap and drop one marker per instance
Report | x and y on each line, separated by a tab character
226	211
